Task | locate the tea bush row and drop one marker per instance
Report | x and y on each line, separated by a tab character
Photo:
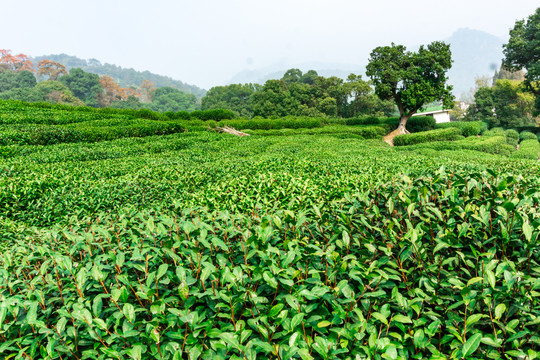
439	266
366	132
91	131
468	128
492	145
528	149
448	134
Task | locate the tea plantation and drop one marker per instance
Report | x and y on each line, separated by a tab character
296	244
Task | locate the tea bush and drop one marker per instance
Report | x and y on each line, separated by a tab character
512	137
367	132
527	135
528	149
291	122
468	128
301	246
447	134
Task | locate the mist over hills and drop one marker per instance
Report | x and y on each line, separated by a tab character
126	77
475	53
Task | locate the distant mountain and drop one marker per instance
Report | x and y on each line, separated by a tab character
126	77
475	53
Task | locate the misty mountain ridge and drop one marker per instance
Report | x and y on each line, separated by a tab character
126	77
475	53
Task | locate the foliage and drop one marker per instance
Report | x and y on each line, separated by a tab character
16	80
523	51
20	62
512	137
411	79
171	99
468	128
421	123
212	246
506	104
528	149
235	97
448	134
340	131
112	92
83	85
289	122
485	144
51	69
527	135
126	77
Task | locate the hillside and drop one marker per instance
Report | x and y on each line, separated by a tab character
125	76
475	53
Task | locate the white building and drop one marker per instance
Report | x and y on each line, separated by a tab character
441	116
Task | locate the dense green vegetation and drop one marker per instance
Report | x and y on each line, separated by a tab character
126	77
314	244
300	94
447	134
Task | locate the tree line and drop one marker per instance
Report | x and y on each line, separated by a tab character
19	80
299	94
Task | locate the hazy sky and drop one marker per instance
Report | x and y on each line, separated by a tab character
206	42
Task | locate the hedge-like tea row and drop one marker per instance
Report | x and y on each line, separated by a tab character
290	122
448	134
414	124
528	149
491	145
468	128
527	135
92	131
343	131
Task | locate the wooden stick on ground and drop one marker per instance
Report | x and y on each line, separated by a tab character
230	130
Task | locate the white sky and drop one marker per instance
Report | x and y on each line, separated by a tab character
206	42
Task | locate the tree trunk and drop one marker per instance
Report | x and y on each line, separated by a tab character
389	138
403	122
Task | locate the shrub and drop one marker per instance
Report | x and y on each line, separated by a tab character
496	131
448	134
528	149
512	137
468	128
527	135
490	145
421	123
290	122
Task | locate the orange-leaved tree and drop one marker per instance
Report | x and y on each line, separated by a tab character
18	62
113	92
51	69
147	90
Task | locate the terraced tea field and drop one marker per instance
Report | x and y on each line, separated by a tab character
291	246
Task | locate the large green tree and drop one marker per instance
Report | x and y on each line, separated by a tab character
506	104
83	85
171	99
235	97
411	79
523	52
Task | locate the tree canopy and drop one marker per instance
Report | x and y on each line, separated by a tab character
299	94
523	52
411	79
507	104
